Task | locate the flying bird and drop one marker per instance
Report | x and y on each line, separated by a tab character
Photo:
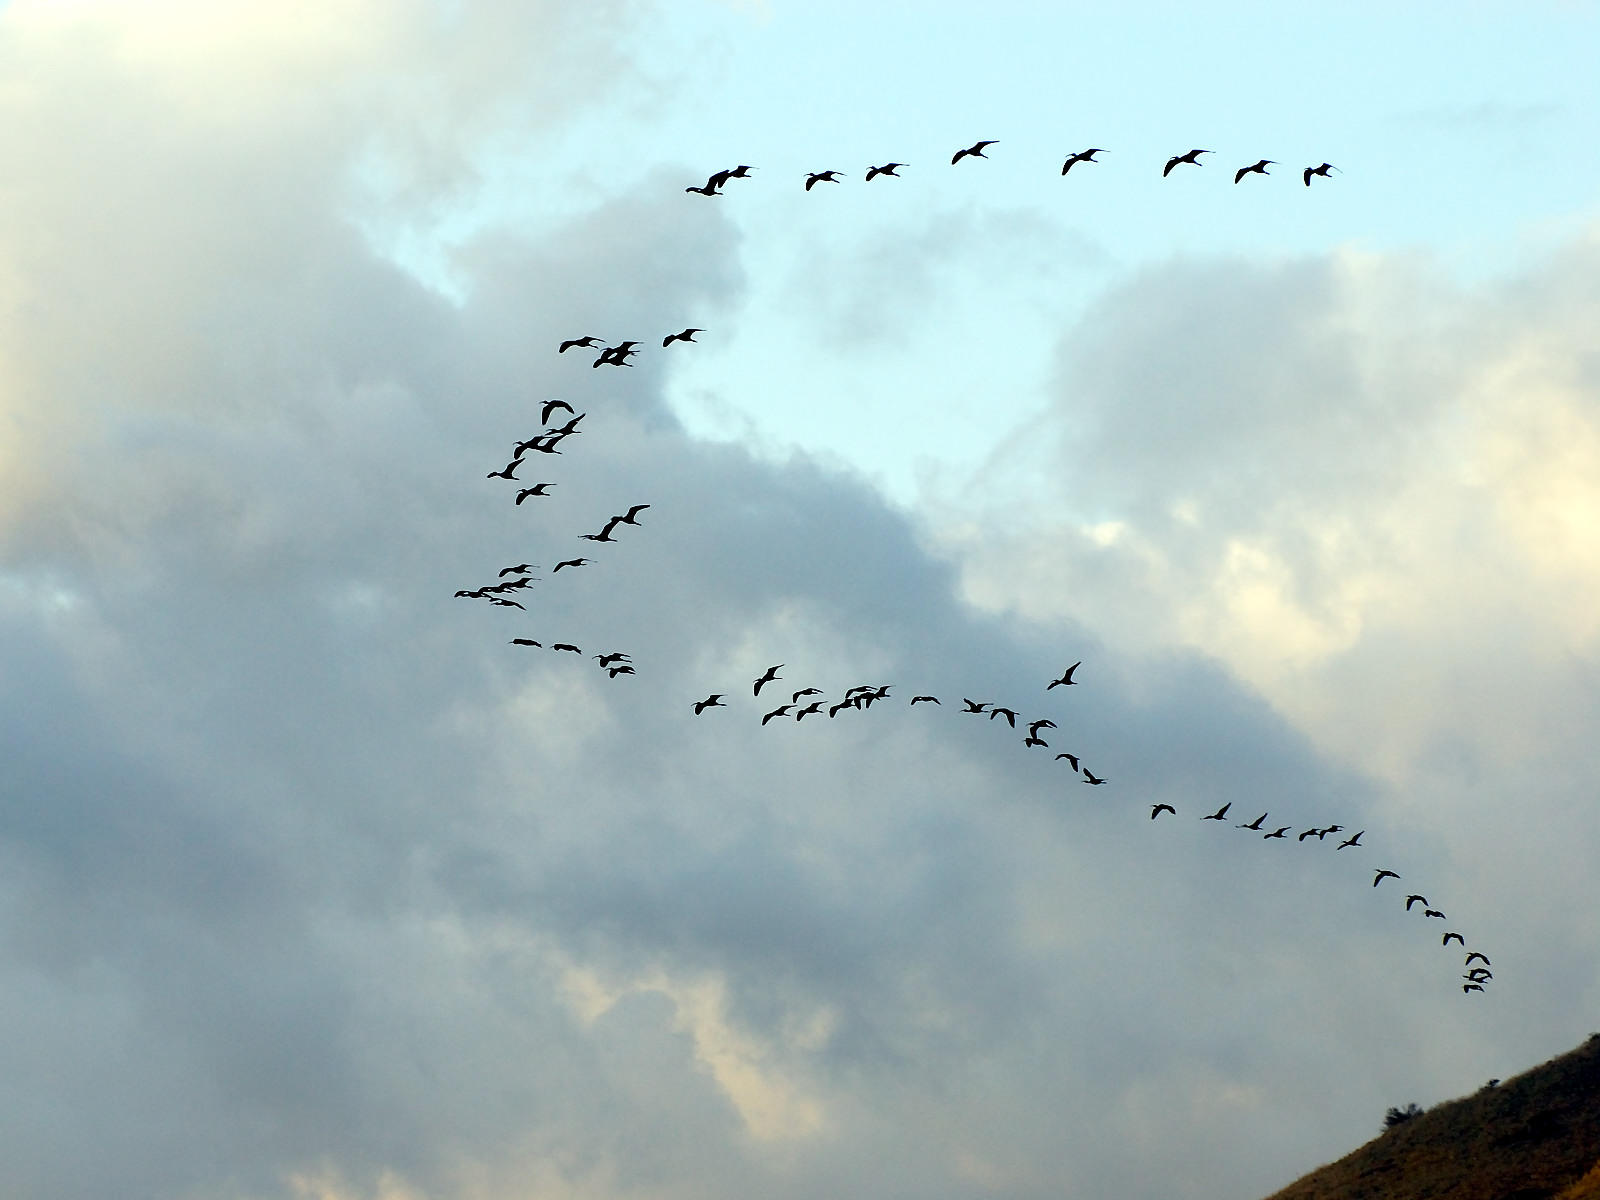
1471	987
519	569
1032	740
550	406
712	701
1351	841
1192	158
1382	875
586	342
1158	809
616	656
571	562
1221	814
1066	676
815	177
975	150
538	489
1322	170
771	674
525	642
1090	777
742	171
1081	156
686	336
1259	168
708	190
814	707
973	706
1445	941
567	646
1434	912
1277	833
1477	955
1410	900
509	471
624	669
1009	714
631	517
1317	833
886	169
1256	824
504	603
1072	759
1041	723
777	712
926	700
603	536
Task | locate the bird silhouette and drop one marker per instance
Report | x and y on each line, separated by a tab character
571	562
814	707
1158	809
1081	156
810	691
624	669
712	701
686	336
973	706
1041	723
1277	833
708	190
504	603
1382	875
585	342
1256	824
1009	714
926	700
616	656
1192	158
1471	987
1410	900
886	169
1434	912
1222	813
1072	759
519	569
816	177
1484	958
777	712
1031	740
1351	841
1066	676
1258	168
538	489
567	646
526	642
1090	777
1445	940
1317	833
1322	170
550	406
509	471
975	150
631	517
771	674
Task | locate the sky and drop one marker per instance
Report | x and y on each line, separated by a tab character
313	886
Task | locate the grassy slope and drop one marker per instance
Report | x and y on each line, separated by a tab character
1535	1137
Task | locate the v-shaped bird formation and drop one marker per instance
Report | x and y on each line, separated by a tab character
857	699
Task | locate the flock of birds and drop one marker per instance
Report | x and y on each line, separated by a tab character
714	184
812	701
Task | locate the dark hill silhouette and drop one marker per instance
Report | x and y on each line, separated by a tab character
1535	1137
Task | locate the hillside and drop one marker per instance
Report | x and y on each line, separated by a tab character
1535	1137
